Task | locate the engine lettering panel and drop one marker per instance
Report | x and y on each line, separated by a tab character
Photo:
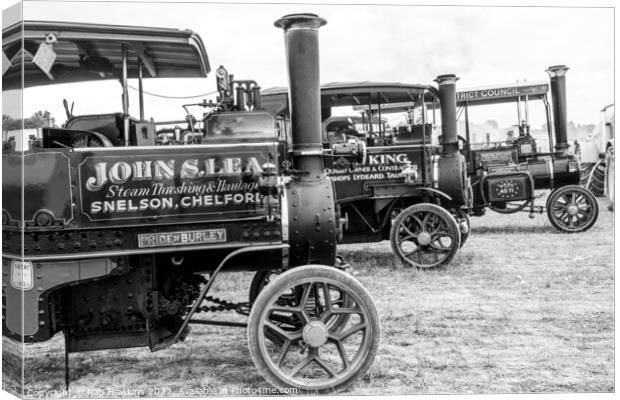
181	238
169	184
383	165
508	188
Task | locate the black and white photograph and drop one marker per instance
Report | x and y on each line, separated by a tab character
241	199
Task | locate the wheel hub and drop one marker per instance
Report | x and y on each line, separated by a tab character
315	333
572	210
424	239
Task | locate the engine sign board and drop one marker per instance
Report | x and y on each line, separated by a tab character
508	188
220	182
502	93
21	275
384	165
181	238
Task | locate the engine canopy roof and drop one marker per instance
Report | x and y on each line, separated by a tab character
357	94
87	52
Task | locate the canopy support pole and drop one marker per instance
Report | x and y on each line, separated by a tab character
125	96
140	90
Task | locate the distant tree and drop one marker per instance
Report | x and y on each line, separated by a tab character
492	123
10	124
39	119
587	128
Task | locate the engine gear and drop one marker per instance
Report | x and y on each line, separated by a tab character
87	141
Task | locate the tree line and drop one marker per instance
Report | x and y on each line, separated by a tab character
40	119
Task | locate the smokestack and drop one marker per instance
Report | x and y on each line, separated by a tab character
301	36
557	73
447	96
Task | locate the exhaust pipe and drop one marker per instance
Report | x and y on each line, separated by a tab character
309	197
447	96
557	73
302	58
452	178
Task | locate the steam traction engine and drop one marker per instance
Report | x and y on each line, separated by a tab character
506	174
119	239
401	184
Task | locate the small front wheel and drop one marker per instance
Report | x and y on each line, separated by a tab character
425	236
572	209
313	355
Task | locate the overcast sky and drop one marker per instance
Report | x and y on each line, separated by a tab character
413	44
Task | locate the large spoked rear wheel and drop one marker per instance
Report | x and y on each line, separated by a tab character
314	355
425	236
572	209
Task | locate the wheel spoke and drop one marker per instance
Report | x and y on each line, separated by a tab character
318	307
408	238
346	310
325	367
351	331
328	297
304	296
412	252
343	353
417	220
283	353
302	364
439	248
282	333
437	228
425	220
411	234
430	258
586	214
585	206
559	207
440	234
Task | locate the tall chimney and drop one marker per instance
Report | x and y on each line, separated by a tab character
301	35
558	96
447	96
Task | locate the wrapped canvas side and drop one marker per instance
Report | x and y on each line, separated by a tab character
14	144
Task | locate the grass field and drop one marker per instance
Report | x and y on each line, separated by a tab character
520	309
